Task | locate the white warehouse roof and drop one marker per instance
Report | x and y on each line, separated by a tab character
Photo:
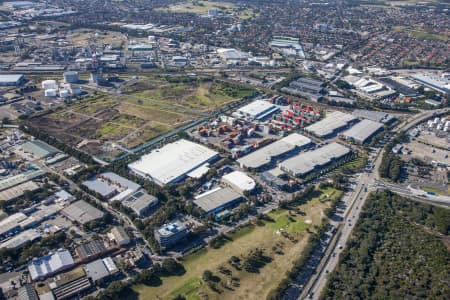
258	109
240	180
49	264
172	162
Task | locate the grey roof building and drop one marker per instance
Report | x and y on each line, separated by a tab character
101	268
118	235
308	162
11	79
140	202
169	234
331	124
217	200
111	186
363	131
82	212
376	116
39	149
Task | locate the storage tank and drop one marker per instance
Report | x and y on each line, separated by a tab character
70	77
49	84
50	93
63	93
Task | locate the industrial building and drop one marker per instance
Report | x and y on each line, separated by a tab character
275	151
27	292
307	85
69	285
433	81
11	225
119	236
91	250
21	240
100	269
363	131
39	149
239	181
308	162
81	212
140	202
217	200
170	234
376	116
111	186
332	123
11	79
399	88
48	265
171	163
232	56
287	45
257	110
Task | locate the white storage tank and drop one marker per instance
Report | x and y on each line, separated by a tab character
63	93
49	84
50	93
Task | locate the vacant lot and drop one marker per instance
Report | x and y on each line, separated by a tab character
203	94
97	122
282	240
202	7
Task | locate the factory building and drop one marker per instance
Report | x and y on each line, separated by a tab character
332	123
41	268
140	202
11	79
91	250
363	131
68	285
275	151
119	236
308	162
217	200
307	85
81	212
39	149
111	186
433	81
376	116
100	269
257	110
172	163
232	56
239	181
170	234
21	240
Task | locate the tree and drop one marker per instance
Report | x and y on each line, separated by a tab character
171	267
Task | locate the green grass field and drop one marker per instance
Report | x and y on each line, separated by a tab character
294	226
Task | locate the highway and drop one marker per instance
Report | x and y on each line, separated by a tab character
354	202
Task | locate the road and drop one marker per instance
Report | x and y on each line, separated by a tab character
366	183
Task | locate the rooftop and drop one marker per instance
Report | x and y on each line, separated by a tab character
39	149
257	109
240	180
49	264
332	122
82	212
306	162
171	228
363	130
10	77
264	155
140	201
173	161
215	199
109	184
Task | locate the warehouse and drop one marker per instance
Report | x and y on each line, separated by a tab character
376	116
239	181
434	82
82	212
171	163
39	149
275	151
308	162
21	240
170	234
119	236
111	186
363	131
101	268
69	285
48	265
217	200
140	202
331	124
91	250
257	110
11	79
